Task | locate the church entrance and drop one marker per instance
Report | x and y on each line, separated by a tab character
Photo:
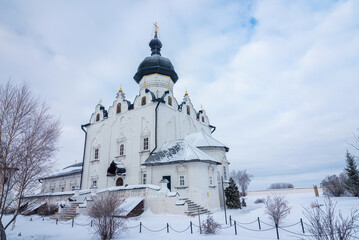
119	182
169	181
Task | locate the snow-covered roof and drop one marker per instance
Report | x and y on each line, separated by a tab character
69	170
178	151
128	205
201	139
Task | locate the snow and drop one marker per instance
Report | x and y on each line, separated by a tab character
128	205
200	139
246	218
130	187
175	151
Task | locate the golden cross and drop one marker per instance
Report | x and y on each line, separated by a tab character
156	27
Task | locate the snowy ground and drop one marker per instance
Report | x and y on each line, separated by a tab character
47	228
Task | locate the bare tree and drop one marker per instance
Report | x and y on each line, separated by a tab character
105	211
326	224
242	178
334	185
277	208
28	137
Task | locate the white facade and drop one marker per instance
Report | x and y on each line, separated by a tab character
153	138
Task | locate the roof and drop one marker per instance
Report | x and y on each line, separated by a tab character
178	151
201	139
156	63
67	171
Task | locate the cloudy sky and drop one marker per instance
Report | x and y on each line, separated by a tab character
279	79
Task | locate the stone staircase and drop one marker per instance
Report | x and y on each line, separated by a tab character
69	212
194	209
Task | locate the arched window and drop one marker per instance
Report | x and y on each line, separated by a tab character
169	101
143	101
188	110
118	108
119	182
202	119
122	149
97	117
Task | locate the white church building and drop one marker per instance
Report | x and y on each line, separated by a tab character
153	139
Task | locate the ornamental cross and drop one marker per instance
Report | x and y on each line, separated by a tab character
156	27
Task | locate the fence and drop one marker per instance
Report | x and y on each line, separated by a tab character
254	226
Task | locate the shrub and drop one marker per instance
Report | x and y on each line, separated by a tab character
281	186
102	210
209	226
259	200
48	209
325	223
334	185
277	208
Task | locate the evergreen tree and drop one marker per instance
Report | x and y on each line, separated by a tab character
232	195
351	170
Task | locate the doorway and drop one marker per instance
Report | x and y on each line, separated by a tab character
119	182
169	181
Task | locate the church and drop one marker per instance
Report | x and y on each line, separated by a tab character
153	140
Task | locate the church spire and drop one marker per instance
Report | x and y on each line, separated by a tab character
155	43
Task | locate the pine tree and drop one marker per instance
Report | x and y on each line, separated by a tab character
351	170
232	195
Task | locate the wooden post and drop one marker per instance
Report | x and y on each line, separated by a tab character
316	192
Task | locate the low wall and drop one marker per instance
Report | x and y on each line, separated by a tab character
284	191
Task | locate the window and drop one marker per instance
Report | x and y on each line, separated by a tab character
122	149
181	180
94	183
202	119
225	173
62	189
96	153
52	190
210	181
97	117
143	101
188	110
145	143
118	110
73	188
144	178
169	101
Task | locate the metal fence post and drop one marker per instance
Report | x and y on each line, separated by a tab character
57	220
72	223
91	223
276	228
230	220
168	230
140	227
190	223
235	227
259	223
301	222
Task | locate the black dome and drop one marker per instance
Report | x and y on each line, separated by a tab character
156	63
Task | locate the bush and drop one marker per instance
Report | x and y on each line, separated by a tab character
334	185
281	186
209	226
102	210
259	200
325	223
48	209
277	208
